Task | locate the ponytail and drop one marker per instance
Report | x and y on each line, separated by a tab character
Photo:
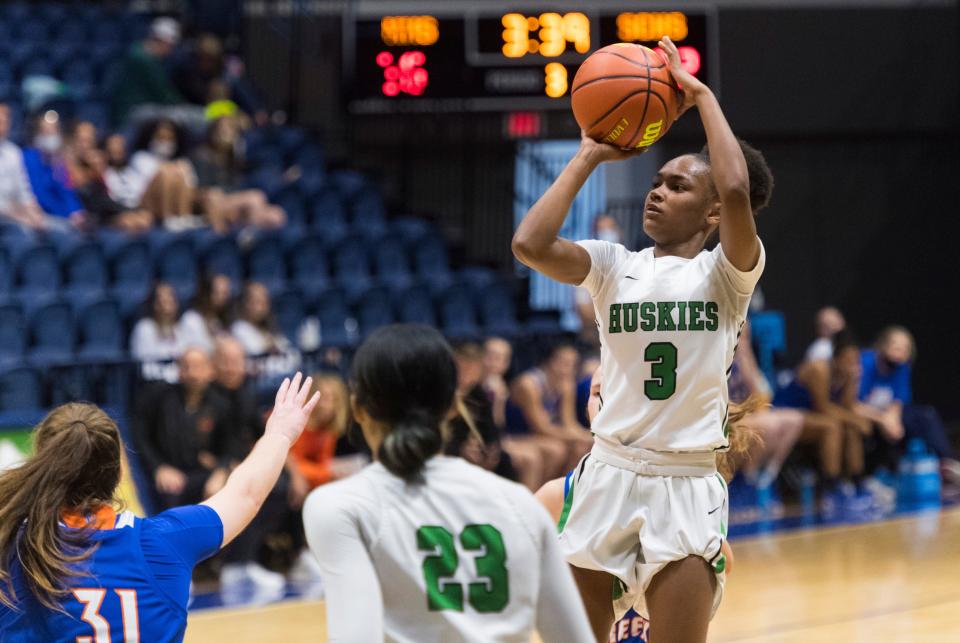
742	439
411	442
76	468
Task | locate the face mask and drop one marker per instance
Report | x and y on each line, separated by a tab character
163	149
609	235
48	143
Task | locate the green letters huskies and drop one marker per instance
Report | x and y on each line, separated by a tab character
664	316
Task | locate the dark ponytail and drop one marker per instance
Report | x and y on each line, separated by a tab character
76	468
405	377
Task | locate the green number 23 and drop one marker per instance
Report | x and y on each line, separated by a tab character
489	594
663	384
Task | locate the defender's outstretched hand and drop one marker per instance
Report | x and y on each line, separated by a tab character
292	410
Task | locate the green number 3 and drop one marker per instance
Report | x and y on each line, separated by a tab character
663	384
489	594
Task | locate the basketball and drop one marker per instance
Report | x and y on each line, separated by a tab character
623	94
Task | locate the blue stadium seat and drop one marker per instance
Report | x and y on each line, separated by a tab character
53	13
36	67
131	266
351	267
334	318
21	388
497	310
311	157
290	309
22	52
103	54
101	330
391	263
32	30
265	155
13	331
80	78
349	183
457	315
291	140
16	11
369	216
62	54
37	267
329	215
308	262
219	256
96	112
176	264
266	261
431	262
544	322
373	310
415	306
72	32
7	81
292	203
52	330
109	30
6	272
84	266
6	36
476	277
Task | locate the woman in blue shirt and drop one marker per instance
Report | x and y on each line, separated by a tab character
72	568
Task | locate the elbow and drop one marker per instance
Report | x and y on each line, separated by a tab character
522	248
736	191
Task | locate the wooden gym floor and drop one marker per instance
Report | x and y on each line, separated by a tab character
897	580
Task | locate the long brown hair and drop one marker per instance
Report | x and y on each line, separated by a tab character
76	469
741	438
341	419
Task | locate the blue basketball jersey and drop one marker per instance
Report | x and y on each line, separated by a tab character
632	628
134	587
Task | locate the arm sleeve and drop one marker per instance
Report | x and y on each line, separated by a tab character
352	588
560	612
193	532
604	259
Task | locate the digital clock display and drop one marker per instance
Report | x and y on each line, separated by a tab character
519	59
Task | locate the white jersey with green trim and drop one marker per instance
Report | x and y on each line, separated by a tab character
463	555
668	331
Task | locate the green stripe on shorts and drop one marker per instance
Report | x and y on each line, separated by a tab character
567	504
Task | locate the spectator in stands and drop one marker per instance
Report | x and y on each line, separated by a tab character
497	355
318	458
257	330
887	398
778	428
542	412
827	390
141	183
476	440
47	167
183	435
157	336
164	180
219	166
829	322
87	166
17	202
211	314
246	424
142	79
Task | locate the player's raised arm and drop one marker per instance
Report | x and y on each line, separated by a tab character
250	483
535	243
738	231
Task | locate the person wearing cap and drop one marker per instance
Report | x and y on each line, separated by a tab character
143	79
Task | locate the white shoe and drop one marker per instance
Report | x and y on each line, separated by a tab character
265	579
232	576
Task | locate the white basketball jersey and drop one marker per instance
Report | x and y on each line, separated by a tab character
465	556
668	331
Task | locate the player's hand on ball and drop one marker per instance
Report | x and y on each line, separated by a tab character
603	152
691	88
292	410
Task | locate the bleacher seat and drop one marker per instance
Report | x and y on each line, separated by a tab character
62	54
36	67
72	32
53	13
292	203
349	183
109	30
175	263
131	267
219	256
80	78
391	263
6	272
21	388
476	277
457	316
96	112
84	265
308	262
544	322
290	310
368	214
497	311
102	335
333	315
52	330
13	331
37	267
415	306
373	310
328	213
266	261
32	30
431	262
351	267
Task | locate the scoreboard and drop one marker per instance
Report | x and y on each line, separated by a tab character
503	61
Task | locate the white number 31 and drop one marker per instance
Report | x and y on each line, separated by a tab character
92	600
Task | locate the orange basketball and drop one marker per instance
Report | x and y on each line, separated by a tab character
623	94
